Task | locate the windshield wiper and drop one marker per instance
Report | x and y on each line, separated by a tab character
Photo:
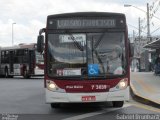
99	60
96	52
99	40
76	43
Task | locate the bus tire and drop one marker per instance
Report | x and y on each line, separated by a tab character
118	104
6	73
10	76
55	105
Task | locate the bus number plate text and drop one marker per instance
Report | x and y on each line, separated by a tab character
88	98
100	87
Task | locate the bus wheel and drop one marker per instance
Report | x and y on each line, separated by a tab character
118	104
11	76
55	105
6	73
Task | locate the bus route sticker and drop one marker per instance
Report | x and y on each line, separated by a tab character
93	70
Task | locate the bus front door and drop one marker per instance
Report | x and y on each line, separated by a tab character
31	61
11	61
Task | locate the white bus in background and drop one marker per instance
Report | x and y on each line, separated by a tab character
22	60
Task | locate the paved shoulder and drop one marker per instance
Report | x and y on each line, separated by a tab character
146	85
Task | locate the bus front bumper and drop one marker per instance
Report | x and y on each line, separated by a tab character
57	97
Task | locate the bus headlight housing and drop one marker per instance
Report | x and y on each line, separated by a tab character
51	85
121	85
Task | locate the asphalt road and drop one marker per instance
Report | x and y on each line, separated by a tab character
25	99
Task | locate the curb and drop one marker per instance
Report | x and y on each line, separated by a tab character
137	97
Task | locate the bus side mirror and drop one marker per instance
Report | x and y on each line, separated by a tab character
40	43
131	50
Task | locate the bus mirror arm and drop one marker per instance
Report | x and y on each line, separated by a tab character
40	41
42	31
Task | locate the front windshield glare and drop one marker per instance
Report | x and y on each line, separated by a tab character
89	55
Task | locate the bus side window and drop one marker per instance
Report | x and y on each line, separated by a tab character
2	57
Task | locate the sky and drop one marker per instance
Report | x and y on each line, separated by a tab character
30	15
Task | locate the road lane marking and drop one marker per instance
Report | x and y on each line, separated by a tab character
79	117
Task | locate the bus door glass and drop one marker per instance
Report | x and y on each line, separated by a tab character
11	61
31	60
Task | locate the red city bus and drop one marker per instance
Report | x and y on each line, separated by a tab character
86	58
22	60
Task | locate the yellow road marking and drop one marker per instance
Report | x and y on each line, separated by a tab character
146	107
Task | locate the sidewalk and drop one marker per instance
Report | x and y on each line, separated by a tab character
146	85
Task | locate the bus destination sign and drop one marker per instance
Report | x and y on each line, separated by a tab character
85	23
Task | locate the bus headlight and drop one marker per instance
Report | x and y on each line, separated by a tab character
122	84
51	85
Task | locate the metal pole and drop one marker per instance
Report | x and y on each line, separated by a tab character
12	34
139	49
133	36
148	22
139	26
149	39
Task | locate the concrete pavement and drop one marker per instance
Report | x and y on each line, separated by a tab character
146	85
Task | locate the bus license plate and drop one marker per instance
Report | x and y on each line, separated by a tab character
88	98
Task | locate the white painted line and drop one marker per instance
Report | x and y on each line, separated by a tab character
78	117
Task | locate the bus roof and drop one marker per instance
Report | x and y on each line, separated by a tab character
87	14
20	46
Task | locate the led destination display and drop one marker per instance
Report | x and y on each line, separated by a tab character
86	23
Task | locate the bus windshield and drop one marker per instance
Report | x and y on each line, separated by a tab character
86	54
